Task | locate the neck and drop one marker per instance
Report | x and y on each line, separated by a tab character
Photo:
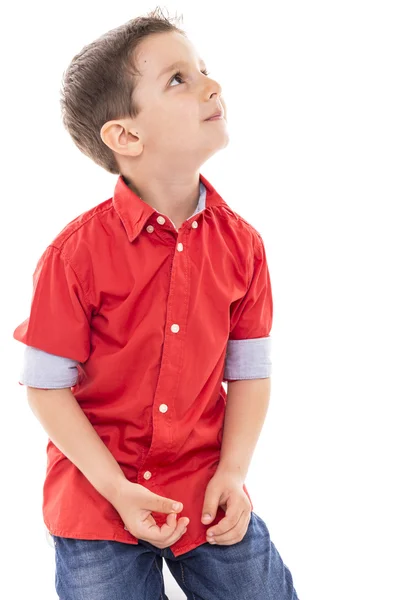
173	196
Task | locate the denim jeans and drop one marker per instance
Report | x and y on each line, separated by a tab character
251	569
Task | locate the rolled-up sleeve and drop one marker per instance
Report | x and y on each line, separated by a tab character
248	354
47	371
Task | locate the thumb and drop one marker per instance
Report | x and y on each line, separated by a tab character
210	507
163	505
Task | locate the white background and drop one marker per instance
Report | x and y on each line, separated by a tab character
312	90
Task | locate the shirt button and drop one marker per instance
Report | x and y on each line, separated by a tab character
195	224
150	228
160	220
147	475
175	328
180	247
163	408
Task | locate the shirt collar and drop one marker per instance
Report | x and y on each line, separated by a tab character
134	212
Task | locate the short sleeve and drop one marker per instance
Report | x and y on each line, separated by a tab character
59	320
248	353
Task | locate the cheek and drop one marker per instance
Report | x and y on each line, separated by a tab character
177	120
185	108
181	122
169	117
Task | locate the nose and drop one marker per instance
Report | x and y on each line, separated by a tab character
221	102
214	87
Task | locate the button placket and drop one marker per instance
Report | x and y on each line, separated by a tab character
175	328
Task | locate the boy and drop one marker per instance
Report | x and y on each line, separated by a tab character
141	307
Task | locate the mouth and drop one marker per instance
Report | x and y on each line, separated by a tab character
216	116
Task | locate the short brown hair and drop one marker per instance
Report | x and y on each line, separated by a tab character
99	83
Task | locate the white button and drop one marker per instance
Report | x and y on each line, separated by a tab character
160	220
147	475
195	224
180	247
175	328
150	228
163	408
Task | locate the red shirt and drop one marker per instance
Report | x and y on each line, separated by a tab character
149	312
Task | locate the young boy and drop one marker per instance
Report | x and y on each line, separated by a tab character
141	307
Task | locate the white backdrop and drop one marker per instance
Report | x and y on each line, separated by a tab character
312	92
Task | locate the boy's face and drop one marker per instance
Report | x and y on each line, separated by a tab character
171	128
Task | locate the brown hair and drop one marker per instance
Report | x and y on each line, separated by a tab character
99	83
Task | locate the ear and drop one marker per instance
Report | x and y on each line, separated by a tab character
122	137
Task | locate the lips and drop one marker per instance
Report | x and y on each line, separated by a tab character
216	115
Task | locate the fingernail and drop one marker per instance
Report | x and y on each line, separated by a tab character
211	534
206	517
176	505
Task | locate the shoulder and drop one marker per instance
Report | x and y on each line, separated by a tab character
78	238
240	228
77	249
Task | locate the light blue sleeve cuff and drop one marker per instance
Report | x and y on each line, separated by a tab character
48	371
248	359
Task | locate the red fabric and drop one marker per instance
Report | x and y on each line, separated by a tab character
106	293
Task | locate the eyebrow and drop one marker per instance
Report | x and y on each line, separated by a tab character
176	65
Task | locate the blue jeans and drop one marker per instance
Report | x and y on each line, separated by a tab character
251	569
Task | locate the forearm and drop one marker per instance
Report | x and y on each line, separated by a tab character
246	408
71	431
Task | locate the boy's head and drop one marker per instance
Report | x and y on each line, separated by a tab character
125	110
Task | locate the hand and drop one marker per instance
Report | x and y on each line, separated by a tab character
226	490
134	503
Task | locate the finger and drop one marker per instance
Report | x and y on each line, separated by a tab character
169	532
230	521
181	528
174	537
178	527
154	532
151	525
149	529
148	520
233	535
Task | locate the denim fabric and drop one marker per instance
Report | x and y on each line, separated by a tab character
251	569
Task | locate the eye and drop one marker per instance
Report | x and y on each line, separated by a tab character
178	75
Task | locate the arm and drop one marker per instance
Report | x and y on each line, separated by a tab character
71	431
246	408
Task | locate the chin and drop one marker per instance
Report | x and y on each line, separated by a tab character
215	149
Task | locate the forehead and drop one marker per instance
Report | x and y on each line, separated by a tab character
159	50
